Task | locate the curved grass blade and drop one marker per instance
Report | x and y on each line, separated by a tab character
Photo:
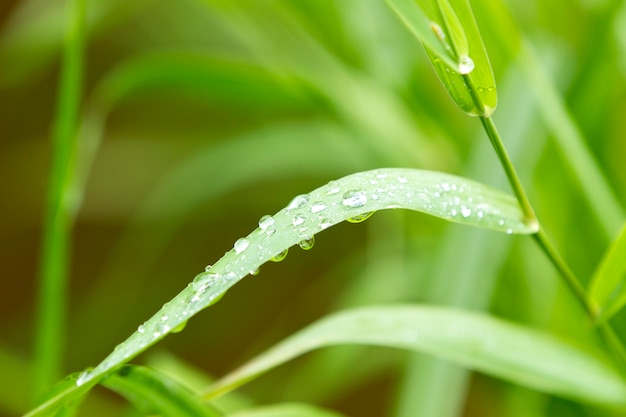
519	354
154	392
286	410
351	198
467	76
607	291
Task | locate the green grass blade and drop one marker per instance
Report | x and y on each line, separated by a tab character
351	198
418	17
286	410
607	290
486	344
60	210
154	392
584	168
469	78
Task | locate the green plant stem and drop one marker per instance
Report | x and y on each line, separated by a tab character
53	267
610	338
506	163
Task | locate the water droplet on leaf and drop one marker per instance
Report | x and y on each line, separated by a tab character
298	202
280	256
360	218
307	244
354	199
298	220
241	245
466	65
267	224
318	207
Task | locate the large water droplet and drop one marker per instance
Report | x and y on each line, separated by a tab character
241	245
466	65
333	188
298	202
255	271
307	244
280	256
180	327
298	220
267	224
354	199
360	218
318	207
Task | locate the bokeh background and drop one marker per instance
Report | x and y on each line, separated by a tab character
204	115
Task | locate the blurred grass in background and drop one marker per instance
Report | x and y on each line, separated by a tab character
202	116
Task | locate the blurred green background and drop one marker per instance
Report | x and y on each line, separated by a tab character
204	115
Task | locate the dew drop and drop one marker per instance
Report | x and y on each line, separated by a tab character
466	65
465	211
445	186
333	188
208	268
164	318
509	231
307	244
141	329
325	224
83	377
402	180
480	214
280	256
180	327
360	218
267	224
354	199
255	271
298	202
298	220
230	276
241	245
318	206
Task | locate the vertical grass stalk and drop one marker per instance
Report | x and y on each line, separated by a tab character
54	258
608	335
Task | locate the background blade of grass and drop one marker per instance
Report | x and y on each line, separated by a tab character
50	335
484	343
607	285
154	392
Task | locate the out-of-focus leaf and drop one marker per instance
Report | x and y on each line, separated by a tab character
483	343
607	290
154	392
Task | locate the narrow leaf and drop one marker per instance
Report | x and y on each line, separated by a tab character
154	392
468	78
351	198
483	343
607	291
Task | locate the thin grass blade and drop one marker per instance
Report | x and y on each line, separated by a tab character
457	52
154	392
607	290
351	198
483	343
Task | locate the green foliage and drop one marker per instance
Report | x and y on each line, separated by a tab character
177	125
